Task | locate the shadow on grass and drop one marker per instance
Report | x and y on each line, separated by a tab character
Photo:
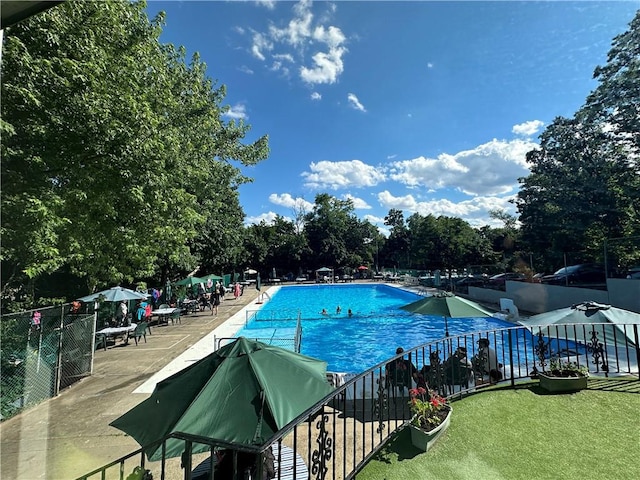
622	384
398	447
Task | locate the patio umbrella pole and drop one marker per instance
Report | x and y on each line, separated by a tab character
446	327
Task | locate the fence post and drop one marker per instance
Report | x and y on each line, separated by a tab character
509	335
59	360
635	337
93	336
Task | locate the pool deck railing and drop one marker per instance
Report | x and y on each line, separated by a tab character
337	436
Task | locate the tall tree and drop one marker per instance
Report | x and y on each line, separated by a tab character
396	248
584	186
334	234
115	155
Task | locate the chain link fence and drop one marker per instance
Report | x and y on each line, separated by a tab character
43	351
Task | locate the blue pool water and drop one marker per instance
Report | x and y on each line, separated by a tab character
354	344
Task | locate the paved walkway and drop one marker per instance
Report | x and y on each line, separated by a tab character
69	435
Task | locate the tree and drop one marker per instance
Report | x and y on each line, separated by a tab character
396	248
275	245
334	234
585	178
115	155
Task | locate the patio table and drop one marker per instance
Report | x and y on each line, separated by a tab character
163	314
190	306
116	332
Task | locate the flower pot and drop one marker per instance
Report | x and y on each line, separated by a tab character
423	439
554	384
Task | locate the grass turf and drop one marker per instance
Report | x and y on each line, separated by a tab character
523	433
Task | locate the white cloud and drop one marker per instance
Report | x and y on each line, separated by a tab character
335	175
429	65
269	4
373	219
489	169
358	203
287	57
528	129
236	112
474	210
332	36
355	103
286	200
245	69
261	46
268	218
327	69
316	96
302	35
299	27
391	157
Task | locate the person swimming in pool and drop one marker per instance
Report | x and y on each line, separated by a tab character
350	313
324	311
338	309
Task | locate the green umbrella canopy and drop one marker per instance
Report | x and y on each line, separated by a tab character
446	305
240	394
614	320
190	281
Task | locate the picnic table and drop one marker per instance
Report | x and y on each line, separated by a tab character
115	333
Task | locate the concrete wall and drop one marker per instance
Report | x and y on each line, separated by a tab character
538	298
624	293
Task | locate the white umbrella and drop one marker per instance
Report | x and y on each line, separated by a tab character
115	294
617	323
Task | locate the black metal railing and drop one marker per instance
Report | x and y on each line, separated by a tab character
336	437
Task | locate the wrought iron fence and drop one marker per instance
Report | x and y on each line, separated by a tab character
43	351
336	437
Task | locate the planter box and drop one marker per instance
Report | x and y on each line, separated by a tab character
562	384
424	440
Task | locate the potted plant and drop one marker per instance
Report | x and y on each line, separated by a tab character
431	417
563	376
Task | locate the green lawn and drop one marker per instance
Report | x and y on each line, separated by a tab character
525	434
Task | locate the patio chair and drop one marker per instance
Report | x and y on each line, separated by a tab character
101	341
457	369
140	331
175	316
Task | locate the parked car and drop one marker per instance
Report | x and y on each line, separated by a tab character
581	274
499	280
470	282
634	273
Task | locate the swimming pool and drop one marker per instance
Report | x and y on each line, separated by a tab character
354	343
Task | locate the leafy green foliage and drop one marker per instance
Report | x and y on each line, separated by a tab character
116	160
584	185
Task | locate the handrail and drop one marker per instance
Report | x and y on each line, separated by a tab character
340	433
298	341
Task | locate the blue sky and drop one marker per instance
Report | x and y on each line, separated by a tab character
426	107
